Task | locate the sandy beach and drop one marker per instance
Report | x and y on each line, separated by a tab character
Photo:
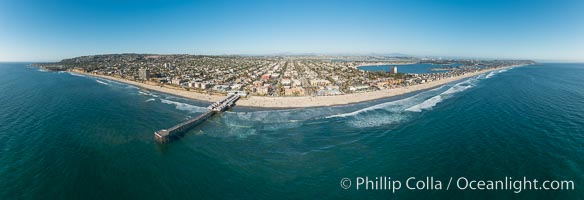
297	102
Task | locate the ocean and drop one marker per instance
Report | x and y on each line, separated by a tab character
67	136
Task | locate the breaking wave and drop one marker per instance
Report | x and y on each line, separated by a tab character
491	74
147	94
149	100
375	107
184	106
75	74
456	88
102	82
426	104
394	106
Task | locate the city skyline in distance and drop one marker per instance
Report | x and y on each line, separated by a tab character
51	31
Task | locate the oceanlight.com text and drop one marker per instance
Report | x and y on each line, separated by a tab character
456	183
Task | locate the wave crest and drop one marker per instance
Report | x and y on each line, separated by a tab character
426	104
102	82
393	106
184	106
147	94
75	74
456	88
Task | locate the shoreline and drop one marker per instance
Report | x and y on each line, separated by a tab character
297	102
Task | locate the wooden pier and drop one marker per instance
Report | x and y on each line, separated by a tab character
167	135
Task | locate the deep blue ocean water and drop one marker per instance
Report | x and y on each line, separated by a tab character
65	136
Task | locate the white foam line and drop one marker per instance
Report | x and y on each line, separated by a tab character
102	82
184	106
429	103
374	107
380	106
426	104
147	94
491	74
75	74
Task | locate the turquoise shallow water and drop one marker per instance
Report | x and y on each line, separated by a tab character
64	136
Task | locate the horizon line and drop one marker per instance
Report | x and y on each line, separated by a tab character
545	60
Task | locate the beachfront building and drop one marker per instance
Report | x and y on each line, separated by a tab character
393	70
262	90
295	91
358	88
144	74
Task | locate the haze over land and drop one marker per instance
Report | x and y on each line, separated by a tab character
34	30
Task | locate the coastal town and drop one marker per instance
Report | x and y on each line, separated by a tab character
271	76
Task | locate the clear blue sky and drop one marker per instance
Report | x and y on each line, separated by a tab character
41	30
